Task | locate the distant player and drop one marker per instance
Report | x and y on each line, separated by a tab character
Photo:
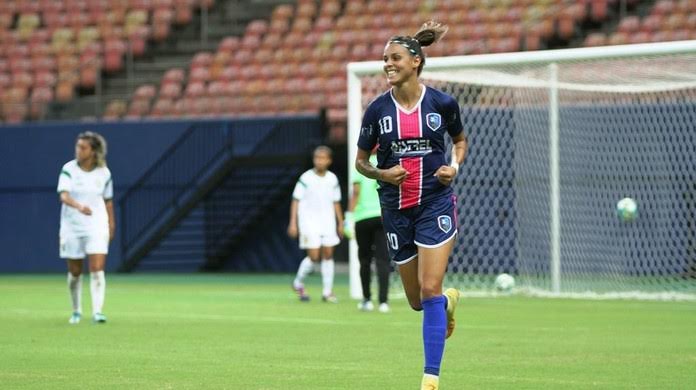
316	216
365	212
410	123
87	222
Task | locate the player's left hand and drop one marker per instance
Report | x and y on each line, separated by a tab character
445	174
339	230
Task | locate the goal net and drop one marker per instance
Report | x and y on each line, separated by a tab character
556	138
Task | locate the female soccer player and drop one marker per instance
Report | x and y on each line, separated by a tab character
409	123
365	212
87	222
316	216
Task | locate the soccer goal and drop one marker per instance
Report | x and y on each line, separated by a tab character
556	139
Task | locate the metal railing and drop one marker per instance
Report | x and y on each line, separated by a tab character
197	162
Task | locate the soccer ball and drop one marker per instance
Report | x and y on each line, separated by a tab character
627	209
504	283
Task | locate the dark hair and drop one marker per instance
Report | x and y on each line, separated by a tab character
98	145
429	33
323	149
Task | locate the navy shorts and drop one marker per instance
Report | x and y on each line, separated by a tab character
430	225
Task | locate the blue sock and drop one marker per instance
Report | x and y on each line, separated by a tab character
434	330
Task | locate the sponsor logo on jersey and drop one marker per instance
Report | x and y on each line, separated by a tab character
444	222
433	120
412	147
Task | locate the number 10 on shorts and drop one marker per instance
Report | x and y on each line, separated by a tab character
393	241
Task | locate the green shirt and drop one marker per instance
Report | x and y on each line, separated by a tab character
368	200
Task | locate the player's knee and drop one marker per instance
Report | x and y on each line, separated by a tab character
429	290
75	272
415	305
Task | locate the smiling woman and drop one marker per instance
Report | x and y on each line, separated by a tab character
409	123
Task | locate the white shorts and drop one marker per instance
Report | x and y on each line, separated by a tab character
79	247
317	240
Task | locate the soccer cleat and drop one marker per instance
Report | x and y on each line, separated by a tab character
329	298
384	307
300	291
99	318
452	295
366	306
75	318
430	382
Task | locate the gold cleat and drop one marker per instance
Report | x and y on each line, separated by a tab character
430	382
452	295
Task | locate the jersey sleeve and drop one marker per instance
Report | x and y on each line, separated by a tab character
453	117
109	188
64	180
336	190
369	130
300	188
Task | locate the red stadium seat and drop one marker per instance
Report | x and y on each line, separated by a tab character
651	23
664	7
629	24
599	10
257	28
174	75
65	91
201	59
162	108
195	89
216	88
595	39
44	78
170	91
229	45
199	75
145	92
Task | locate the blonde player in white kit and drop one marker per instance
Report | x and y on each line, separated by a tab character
316	216
87	222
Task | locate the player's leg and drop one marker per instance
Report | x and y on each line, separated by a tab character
311	243
75	288
382	263
364	239
408	272
72	249
97	284
327	274
432	266
435	233
399	232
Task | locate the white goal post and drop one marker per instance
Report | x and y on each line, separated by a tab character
556	138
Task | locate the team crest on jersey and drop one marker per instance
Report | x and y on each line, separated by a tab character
444	222
434	121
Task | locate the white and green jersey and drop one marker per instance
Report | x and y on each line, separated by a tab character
316	196
90	189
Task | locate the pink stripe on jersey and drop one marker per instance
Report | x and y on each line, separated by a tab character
410	189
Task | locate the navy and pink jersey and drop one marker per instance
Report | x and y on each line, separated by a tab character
415	139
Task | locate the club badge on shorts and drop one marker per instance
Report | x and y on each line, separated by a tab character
434	121
444	222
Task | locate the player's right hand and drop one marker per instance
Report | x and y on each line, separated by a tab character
394	175
292	231
85	210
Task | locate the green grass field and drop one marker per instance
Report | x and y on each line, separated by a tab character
249	332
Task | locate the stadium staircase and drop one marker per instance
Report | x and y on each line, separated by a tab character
202	199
